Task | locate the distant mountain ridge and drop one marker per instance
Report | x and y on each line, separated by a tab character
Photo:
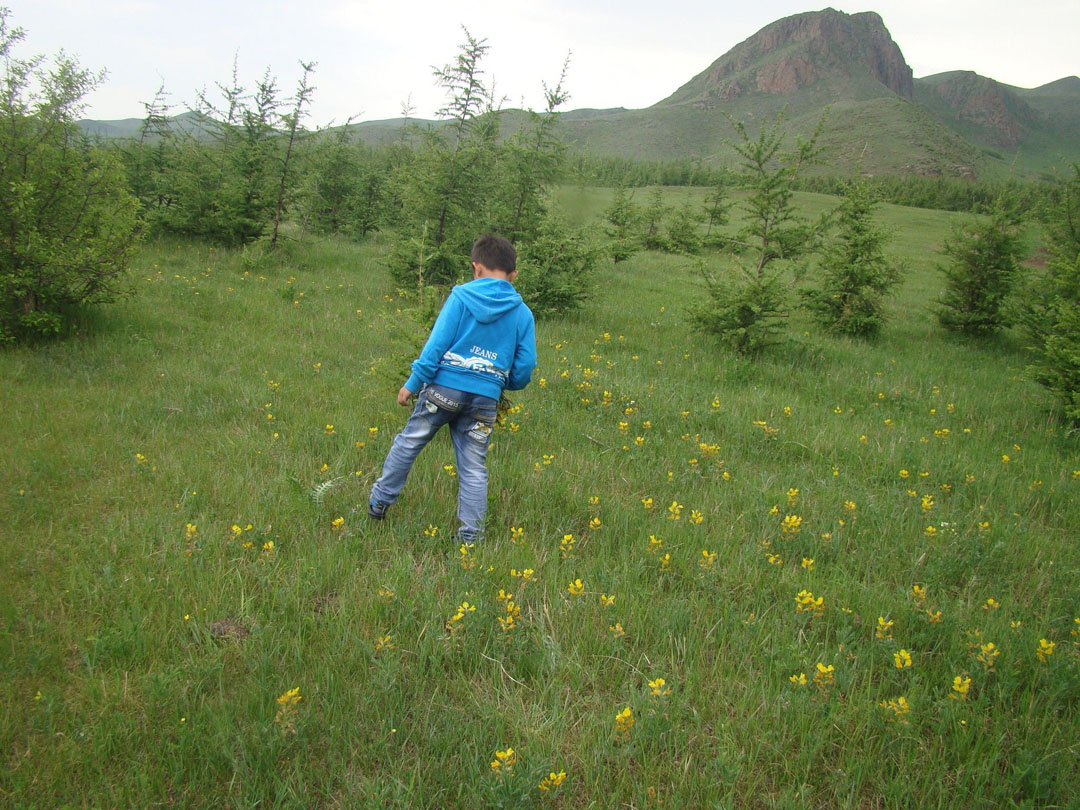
881	120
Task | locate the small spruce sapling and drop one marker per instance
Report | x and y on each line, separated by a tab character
743	308
983	264
856	276
622	221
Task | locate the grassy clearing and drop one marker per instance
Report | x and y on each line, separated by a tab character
183	491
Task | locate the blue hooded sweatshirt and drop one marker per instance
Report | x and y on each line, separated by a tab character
483	341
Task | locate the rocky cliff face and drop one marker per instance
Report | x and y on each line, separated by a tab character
799	51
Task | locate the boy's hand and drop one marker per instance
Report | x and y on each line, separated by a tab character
403	397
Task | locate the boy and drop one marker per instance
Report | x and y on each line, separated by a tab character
483	341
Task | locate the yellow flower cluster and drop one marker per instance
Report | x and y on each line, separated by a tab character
659	689
1044	650
504	761
823	677
805	602
770	432
509	621
552	780
792	524
624	721
454	623
566	546
960	688
899	708
526	575
287	711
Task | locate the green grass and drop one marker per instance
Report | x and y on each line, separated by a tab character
157	415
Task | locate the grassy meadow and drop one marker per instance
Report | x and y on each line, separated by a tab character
844	575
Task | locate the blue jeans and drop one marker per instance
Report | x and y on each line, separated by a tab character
470	417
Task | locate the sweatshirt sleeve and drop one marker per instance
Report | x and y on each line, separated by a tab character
438	342
524	354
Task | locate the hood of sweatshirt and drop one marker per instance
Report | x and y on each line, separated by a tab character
487	299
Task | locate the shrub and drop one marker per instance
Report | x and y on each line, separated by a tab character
984	262
68	224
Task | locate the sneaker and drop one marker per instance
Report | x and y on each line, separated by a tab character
377	510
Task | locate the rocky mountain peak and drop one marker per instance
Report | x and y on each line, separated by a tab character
796	52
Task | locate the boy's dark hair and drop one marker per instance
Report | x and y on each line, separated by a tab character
495	253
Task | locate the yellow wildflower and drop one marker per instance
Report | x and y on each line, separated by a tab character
566	546
552	780
1045	649
824	675
805	602
884	628
792	524
658	688
960	688
988	655
902	659
504	761
899	708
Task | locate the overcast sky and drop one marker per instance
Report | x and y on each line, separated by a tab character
374	56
